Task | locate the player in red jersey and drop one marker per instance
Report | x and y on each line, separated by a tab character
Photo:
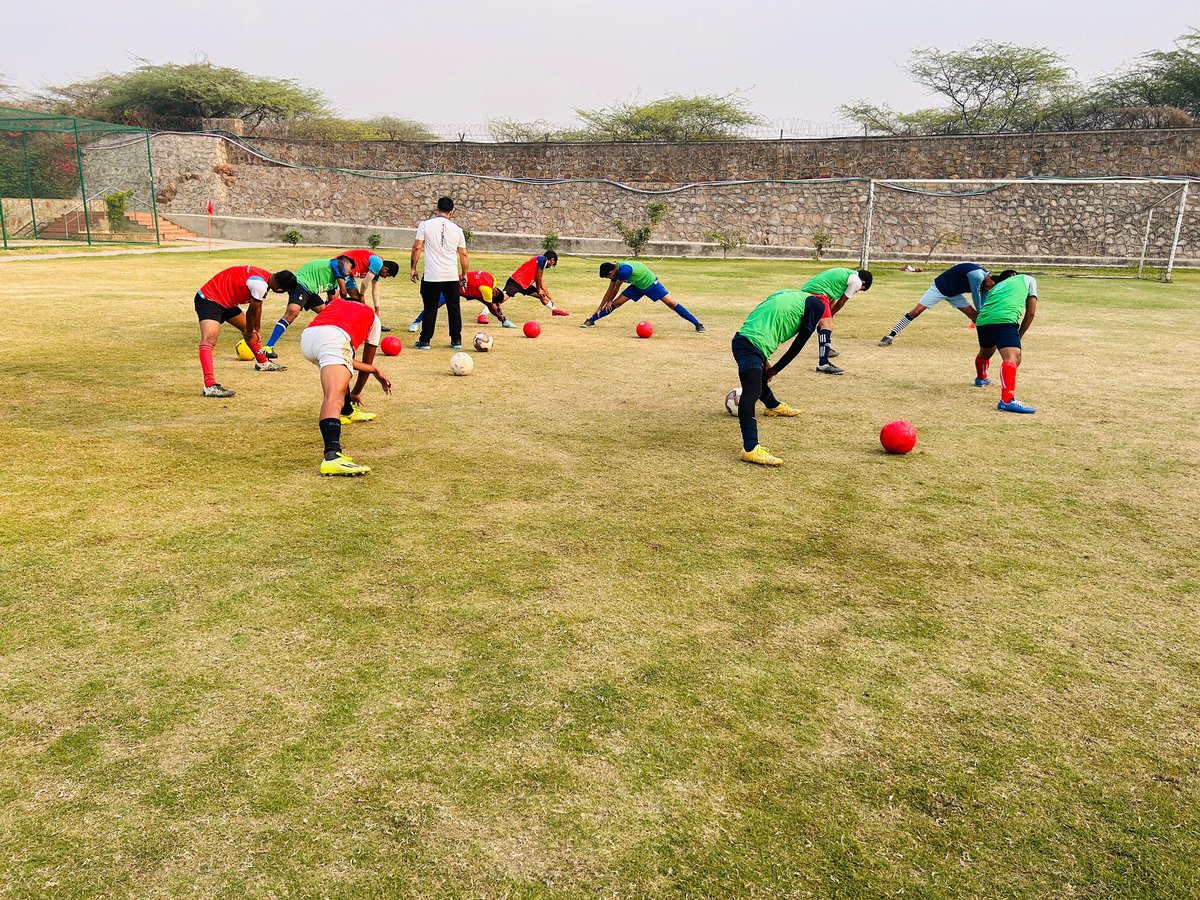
479	286
369	267
220	300
329	342
528	280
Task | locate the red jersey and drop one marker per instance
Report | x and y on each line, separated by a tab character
356	319
525	275
476	280
232	287
362	261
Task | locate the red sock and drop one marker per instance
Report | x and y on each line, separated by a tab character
981	367
206	365
257	350
1008	381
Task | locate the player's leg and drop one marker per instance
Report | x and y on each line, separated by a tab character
328	348
431	297
983	359
261	363
602	310
964	306
824	341
932	297
548	303
1010	359
285	321
672	303
210	328
752	377
451	299
415	325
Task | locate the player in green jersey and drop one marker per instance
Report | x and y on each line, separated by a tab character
642	283
317	282
1007	312
837	286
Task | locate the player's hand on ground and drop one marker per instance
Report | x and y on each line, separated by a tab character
356	398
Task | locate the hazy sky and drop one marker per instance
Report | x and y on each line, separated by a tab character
447	62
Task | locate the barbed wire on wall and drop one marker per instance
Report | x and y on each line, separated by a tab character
775	129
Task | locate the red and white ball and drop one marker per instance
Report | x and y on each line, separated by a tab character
732	399
483	342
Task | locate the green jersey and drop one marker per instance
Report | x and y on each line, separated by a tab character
775	320
832	283
317	276
636	273
1005	303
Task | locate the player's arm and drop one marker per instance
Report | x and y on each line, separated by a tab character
463	260
541	285
789	354
614	285
975	279
1030	312
414	257
374	282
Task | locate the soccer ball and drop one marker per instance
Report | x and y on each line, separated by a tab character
391	345
898	436
644	329
483	342
243	350
732	399
532	329
461	363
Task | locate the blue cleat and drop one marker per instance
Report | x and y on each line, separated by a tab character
1015	406
982	382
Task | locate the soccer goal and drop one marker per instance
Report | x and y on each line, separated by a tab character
1150	225
69	179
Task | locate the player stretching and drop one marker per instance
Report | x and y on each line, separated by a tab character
368	268
316	284
837	286
479	286
528	280
642	283
220	300
779	318
1012	300
952	286
329	342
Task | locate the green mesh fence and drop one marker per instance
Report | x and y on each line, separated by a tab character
68	179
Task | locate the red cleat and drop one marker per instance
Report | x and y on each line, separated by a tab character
559	312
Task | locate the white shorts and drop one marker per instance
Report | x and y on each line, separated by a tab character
933	297
327	345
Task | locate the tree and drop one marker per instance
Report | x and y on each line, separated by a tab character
1164	78
334	128
712	117
169	95
636	239
989	87
512	131
725	238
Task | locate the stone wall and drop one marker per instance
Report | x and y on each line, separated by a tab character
1077	222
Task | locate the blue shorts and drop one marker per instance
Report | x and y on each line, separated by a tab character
1000	335
746	354
655	292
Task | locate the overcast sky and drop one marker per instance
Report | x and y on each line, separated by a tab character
446	62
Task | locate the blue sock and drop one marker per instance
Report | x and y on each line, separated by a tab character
601	313
277	332
419	317
682	310
824	336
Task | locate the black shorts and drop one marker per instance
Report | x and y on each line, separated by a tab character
215	312
1000	335
304	298
511	288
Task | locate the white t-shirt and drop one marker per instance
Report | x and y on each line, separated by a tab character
853	286
442	241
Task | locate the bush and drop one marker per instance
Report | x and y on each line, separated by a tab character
550	240
292	236
822	241
374	240
636	239
114	210
467	235
725	238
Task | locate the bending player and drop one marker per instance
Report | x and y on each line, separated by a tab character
528	280
329	342
220	301
368	268
316	284
837	286
952	286
779	318
642	283
479	286
1012	300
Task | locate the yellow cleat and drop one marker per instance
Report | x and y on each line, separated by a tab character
358	415
343	465
760	456
782	410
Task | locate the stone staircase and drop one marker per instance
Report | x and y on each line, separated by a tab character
72	225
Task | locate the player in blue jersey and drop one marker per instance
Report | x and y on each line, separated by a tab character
953	285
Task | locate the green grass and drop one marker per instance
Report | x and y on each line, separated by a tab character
561	641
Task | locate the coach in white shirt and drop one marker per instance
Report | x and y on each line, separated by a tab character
445	248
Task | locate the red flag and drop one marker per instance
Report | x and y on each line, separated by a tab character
210	207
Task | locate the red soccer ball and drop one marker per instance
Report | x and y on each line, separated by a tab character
532	329
644	329
391	345
898	436
482	320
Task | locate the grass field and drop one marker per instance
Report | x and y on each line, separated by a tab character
562	642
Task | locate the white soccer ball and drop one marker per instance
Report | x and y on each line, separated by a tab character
483	342
732	399
461	364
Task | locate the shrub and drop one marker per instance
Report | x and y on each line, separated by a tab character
550	240
114	210
725	238
467	235
374	240
822	241
636	239
292	236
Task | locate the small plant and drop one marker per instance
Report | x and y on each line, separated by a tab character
946	236
374	240
822	241
725	238
114	209
292	236
636	239
467	235
550	240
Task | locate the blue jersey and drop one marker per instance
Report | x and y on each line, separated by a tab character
965	278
